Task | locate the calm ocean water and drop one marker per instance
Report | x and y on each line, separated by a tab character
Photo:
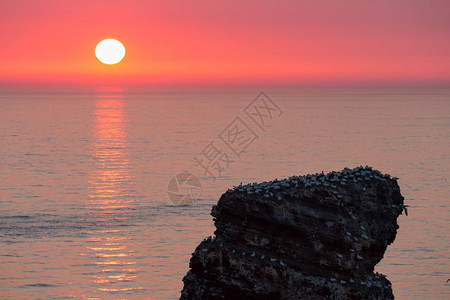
84	209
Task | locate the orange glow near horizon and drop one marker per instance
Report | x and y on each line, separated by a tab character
195	42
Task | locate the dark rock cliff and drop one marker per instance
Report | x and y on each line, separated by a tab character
306	237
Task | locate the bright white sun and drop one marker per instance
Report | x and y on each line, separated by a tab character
110	51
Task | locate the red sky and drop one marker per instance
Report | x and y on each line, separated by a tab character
219	42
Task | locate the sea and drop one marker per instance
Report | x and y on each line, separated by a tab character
106	192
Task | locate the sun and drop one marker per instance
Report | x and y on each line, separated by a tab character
110	51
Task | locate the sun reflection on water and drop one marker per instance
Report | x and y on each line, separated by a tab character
111	204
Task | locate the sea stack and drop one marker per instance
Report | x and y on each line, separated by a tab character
316	236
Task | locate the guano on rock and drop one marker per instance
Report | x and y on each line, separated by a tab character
317	236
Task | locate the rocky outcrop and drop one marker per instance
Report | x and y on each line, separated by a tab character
306	237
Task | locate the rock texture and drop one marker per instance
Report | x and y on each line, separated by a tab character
306	237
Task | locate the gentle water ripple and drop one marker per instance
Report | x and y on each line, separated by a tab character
84	211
